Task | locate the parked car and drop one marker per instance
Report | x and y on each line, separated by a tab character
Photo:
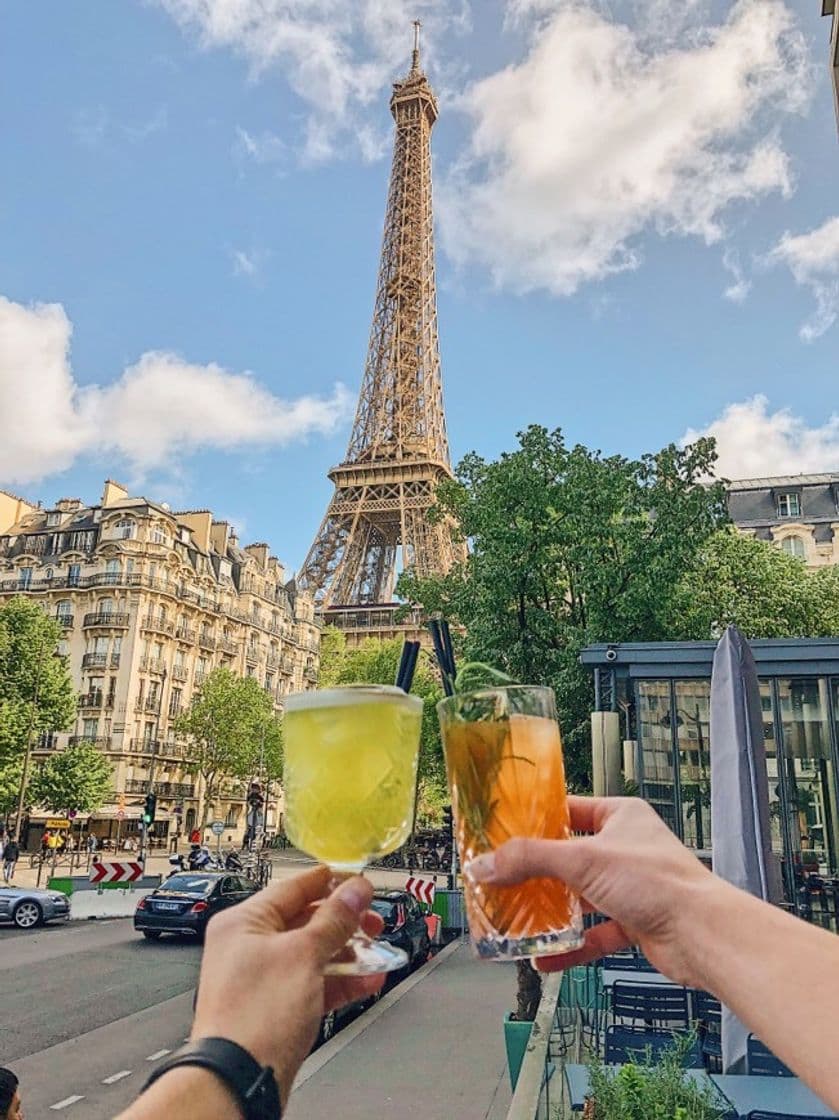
28	908
186	901
404	924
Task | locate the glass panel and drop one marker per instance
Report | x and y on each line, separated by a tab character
692	730
658	776
775	811
810	777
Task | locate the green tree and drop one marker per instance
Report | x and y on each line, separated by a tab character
756	585
224	728
36	689
569	547
79	777
376	662
11	773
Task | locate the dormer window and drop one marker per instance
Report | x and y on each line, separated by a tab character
789	505
53	519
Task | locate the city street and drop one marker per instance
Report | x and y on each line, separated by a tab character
88	1007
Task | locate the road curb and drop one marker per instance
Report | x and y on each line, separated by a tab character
315	1062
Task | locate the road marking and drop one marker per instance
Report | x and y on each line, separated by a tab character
157	1054
112	1080
66	1103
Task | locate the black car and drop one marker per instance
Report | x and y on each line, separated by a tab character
186	901
404	924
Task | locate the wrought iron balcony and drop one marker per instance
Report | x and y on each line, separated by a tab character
207	641
147	704
252	654
152	665
103	742
136	785
227	646
185	634
159	624
94	661
174	789
310	673
96	699
144	746
180	672
105	618
65	621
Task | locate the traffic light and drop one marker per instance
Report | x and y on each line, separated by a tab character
149	809
448	823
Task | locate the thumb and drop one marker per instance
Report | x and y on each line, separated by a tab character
338	917
519	859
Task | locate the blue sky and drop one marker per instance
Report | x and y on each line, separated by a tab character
193	192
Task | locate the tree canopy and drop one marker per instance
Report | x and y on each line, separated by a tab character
376	662
78	778
35	684
569	547
232	733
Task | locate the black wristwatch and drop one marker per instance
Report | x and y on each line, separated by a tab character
254	1086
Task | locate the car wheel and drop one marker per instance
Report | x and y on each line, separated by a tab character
327	1027
151	934
27	914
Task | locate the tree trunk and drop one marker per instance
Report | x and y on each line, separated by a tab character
529	992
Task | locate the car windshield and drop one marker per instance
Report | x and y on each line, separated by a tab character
384	909
188	884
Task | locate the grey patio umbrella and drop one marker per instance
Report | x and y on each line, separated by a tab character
741	846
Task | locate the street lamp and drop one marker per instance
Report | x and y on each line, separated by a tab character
151	799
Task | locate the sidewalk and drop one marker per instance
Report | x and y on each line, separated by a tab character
26	876
433	1049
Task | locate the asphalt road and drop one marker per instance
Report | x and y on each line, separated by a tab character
87	1008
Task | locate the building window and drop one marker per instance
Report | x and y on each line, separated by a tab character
24	578
63	609
105	606
63	648
53	518
158	535
73	575
90	729
789	505
126	529
794	546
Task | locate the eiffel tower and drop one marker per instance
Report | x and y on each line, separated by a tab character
377	520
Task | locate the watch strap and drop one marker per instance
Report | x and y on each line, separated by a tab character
254	1086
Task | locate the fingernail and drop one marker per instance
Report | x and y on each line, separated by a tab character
481	869
355	894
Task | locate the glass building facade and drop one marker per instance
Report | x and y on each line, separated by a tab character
663	692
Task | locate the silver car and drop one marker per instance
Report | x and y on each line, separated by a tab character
27	907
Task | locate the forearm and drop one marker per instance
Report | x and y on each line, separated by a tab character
185	1092
778	974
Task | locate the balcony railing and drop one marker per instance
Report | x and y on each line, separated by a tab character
65	621
227	646
252	654
310	673
554	1033
175	789
273	661
96	699
144	746
200	677
180	672
158	624
103	742
152	665
184	634
105	618
147	704
136	785
207	641
287	664
100	661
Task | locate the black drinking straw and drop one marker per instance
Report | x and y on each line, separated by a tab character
442	659
407	665
447	645
400	672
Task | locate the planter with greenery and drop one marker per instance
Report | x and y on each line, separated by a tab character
652	1090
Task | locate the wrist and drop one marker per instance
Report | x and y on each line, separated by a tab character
705	911
186	1091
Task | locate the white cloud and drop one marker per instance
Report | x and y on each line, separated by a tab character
813	259
90	126
753	442
740	287
603	132
248	262
264	147
157	122
336	56
159	410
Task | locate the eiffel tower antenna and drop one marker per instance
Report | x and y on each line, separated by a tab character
377	520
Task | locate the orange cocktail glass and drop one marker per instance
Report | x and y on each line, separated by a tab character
507	778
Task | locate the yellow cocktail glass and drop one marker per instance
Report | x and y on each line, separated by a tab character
350	774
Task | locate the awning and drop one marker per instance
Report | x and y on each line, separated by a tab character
129	813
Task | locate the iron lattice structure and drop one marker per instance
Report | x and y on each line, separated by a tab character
377	520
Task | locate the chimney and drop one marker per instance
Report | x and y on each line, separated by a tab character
113	493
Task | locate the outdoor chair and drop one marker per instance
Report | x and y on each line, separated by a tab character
616	960
652	1004
761	1062
628	1044
708	1014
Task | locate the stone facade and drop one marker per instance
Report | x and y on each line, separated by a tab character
799	513
150	602
829	9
